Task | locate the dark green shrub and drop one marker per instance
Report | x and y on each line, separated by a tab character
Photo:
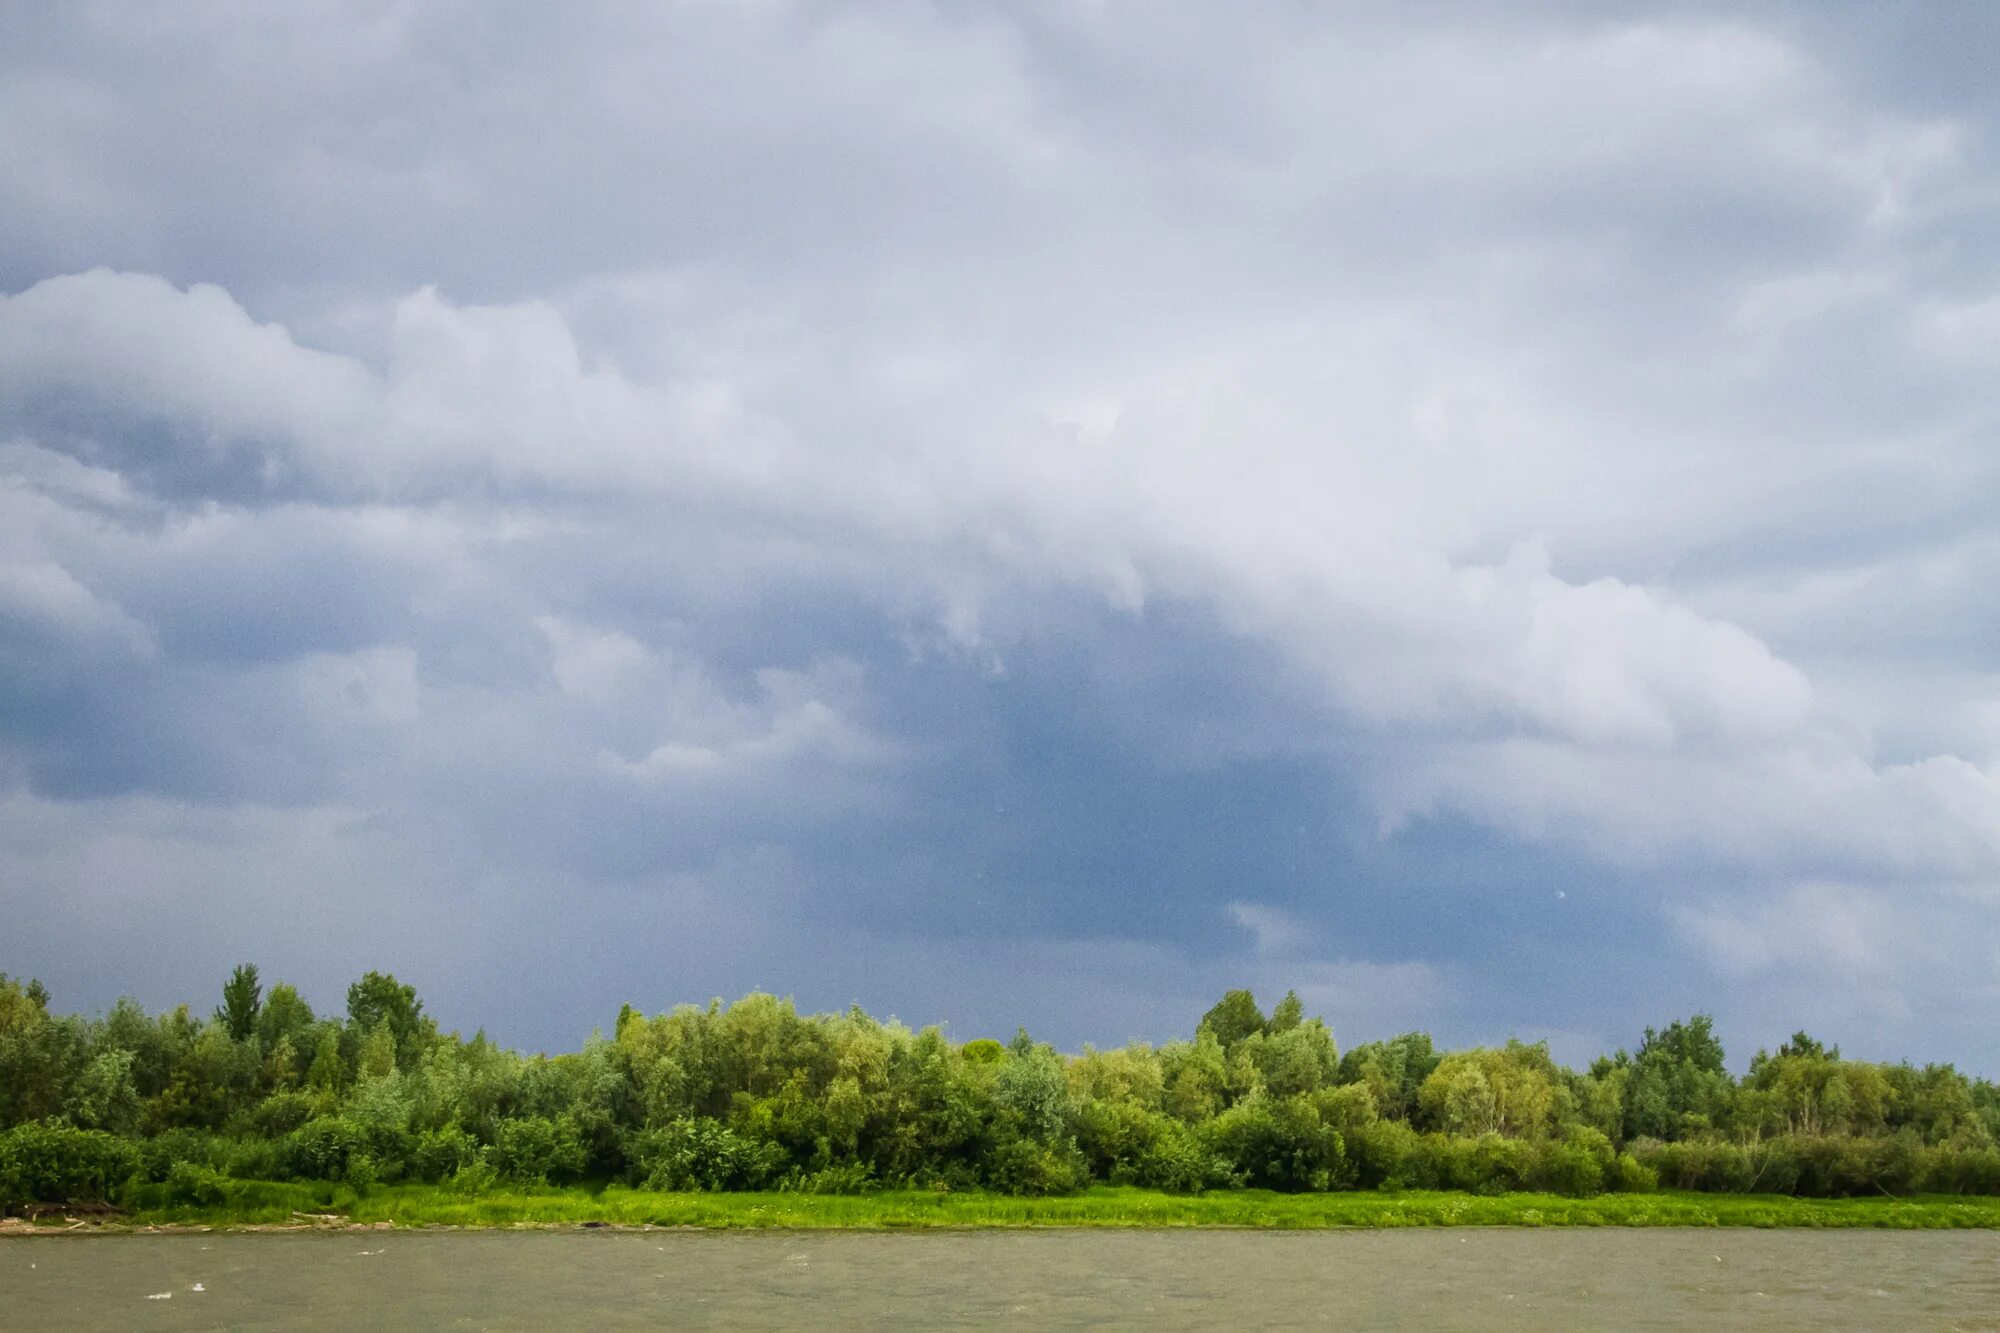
190	1183
1629	1176
1181	1162
47	1161
703	1154
1490	1164
537	1150
253	1159
847	1178
282	1112
1712	1165
1498	1164
1575	1164
1421	1161
1836	1166
1950	1170
323	1149
159	1154
1113	1136
1028	1166
1281	1144
1774	1166
438	1154
363	1172
473	1179
1380	1151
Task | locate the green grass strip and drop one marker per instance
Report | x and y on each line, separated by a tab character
257	1203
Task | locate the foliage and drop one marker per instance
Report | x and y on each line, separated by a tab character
47	1161
755	1096
192	1183
1281	1144
703	1154
536	1150
1392	1071
1677	1084
1234	1017
242	999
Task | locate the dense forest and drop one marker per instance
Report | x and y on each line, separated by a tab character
173	1107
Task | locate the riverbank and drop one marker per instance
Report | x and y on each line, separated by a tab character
271	1205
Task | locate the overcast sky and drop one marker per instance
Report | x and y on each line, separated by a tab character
1486	514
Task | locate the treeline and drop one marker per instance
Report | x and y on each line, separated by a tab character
172	1108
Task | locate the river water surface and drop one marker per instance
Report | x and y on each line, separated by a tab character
1428	1279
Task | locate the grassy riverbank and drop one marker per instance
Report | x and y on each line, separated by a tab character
253	1204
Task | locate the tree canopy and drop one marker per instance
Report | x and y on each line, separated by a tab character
757	1095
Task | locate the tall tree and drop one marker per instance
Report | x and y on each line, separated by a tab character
379	1000
1678	1085
242	998
1234	1017
1289	1013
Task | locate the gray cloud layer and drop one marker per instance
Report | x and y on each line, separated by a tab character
1007	512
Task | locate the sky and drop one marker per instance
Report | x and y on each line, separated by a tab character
1484	514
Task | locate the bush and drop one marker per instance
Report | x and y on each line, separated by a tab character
1836	1166
323	1149
159	1155
282	1112
362	1173
1774	1167
1489	1164
848	1178
1497	1164
1813	1166
703	1154
1026	1166
1575	1164
1628	1176
536	1150
190	1183
47	1161
1948	1170
1712	1165
1114	1135
1380	1150
1281	1144
253	1159
1181	1162
473	1179
439	1154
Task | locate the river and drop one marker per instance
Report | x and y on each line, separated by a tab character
1427	1279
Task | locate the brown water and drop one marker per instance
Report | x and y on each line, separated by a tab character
1428	1279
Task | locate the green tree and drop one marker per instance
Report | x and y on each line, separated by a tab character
241	1001
1288	1014
284	1016
1392	1071
379	1000
40	1055
1516	1090
1807	1089
1234	1017
1678	1087
1300	1057
104	1097
327	1072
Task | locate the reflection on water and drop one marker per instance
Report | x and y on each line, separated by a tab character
1470	1279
